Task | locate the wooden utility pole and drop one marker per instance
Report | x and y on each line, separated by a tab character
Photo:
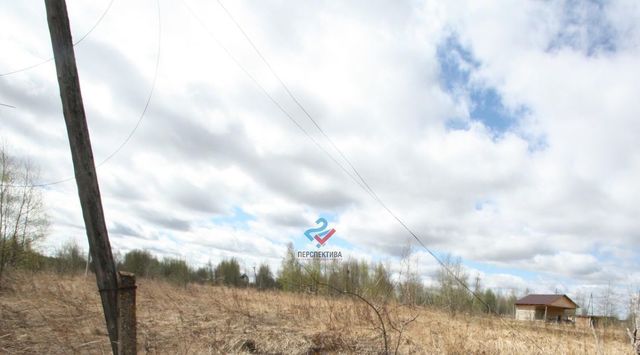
83	164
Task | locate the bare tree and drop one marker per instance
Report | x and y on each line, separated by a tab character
581	299
410	288
453	283
23	220
608	298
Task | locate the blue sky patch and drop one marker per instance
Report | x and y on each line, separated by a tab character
484	203
492	269
485	104
238	219
456	63
486	107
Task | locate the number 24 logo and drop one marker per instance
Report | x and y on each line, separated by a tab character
321	234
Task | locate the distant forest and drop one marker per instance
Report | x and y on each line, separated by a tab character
321	277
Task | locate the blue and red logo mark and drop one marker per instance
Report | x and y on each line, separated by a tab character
320	234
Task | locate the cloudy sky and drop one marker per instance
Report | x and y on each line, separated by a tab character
505	133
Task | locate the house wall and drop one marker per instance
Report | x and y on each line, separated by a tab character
525	312
530	312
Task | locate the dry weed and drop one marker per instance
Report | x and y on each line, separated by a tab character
49	313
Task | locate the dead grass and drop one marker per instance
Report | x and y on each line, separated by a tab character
49	313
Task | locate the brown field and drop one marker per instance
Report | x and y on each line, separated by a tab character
48	313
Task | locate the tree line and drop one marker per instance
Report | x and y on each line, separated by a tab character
374	281
334	278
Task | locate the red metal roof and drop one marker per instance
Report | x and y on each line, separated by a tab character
541	300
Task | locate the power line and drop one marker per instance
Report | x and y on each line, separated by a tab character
104	13
364	183
140	118
6	105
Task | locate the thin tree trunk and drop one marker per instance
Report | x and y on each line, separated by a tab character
13	256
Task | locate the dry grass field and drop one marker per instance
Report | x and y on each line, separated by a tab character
48	313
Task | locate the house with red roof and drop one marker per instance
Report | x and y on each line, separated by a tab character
550	308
